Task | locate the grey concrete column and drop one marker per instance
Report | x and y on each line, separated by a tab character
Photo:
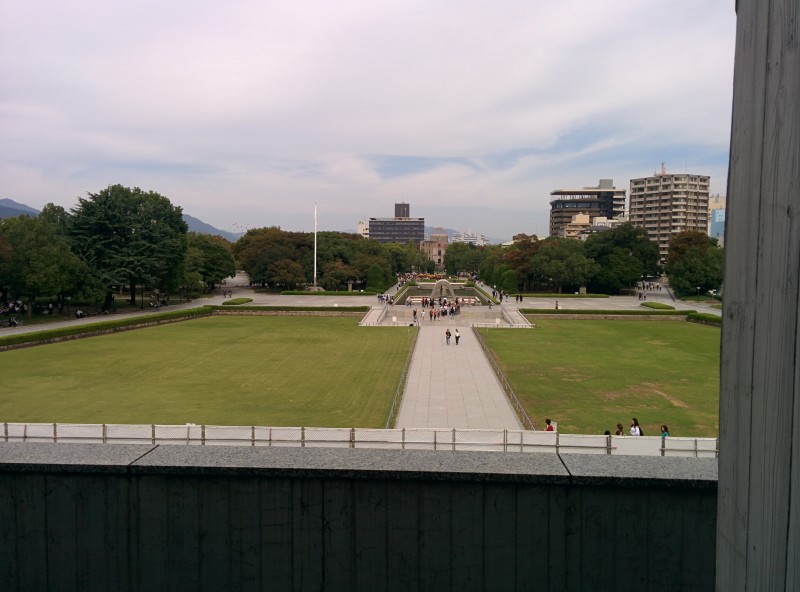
758	531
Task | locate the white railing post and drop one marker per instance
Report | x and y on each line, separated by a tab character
152	433
302	437
55	433
454	438
608	445
352	437
252	435
105	434
403	439
505	440
203	434
5	431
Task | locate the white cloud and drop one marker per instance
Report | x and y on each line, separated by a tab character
252	110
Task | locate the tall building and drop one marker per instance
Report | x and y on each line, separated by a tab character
716	218
362	228
666	204
400	229
604	200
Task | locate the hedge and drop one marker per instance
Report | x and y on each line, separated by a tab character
110	325
328	293
704	317
569	295
300	308
657	305
631	313
236	301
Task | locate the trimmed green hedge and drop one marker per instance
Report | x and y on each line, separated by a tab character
328	293
629	313
236	301
657	305
299	308
556	296
704	317
110	324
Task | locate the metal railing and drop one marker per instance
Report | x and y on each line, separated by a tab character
398	439
510	395
402	384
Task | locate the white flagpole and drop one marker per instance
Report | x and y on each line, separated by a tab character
315	244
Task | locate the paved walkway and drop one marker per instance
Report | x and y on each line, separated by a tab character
453	386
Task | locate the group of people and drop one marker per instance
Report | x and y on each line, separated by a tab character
636	429
448	335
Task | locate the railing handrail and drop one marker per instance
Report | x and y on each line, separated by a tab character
495	440
524	418
403	379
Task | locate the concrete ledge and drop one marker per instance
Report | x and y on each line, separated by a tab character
337	463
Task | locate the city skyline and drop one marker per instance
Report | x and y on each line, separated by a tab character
245	115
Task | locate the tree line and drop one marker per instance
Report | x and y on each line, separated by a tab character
607	262
117	237
128	237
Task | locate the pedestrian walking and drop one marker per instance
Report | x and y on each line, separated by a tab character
458	336
636	429
447	336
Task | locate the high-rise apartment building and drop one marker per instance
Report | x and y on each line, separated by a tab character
604	200
667	204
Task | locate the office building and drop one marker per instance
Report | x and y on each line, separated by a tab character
400	229
605	200
666	204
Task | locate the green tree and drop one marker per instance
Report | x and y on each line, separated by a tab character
39	262
694	261
624	254
210	256
376	278
130	236
463	258
561	262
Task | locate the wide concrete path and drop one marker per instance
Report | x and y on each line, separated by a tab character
453	386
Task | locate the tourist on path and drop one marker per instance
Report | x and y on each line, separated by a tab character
636	429
458	336
447	336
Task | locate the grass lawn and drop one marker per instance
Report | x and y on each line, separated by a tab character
274	371
590	375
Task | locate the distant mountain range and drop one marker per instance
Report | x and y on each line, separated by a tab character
11	209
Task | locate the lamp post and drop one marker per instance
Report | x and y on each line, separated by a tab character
698	294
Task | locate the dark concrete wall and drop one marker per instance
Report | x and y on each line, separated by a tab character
116	517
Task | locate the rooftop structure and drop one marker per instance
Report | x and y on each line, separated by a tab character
604	200
400	229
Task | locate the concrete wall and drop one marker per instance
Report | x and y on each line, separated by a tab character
759	463
120	517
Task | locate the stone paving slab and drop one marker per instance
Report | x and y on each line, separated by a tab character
453	386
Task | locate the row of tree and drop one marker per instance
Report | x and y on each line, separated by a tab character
281	259
130	237
607	262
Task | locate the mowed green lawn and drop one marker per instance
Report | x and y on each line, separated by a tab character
274	371
590	375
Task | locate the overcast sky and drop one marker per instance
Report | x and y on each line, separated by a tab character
246	113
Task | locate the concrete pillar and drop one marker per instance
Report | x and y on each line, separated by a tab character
758	530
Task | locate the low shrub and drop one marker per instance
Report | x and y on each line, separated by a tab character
236	301
704	317
111	324
328	293
627	313
657	305
299	308
557	296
